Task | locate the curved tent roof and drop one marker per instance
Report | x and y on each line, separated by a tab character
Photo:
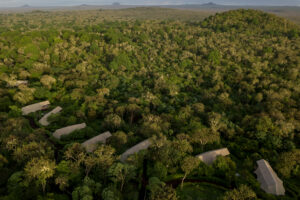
35	107
136	148
210	156
91	144
268	179
67	130
44	119
16	83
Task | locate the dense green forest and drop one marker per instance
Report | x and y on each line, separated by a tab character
229	80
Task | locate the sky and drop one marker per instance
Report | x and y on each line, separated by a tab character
17	3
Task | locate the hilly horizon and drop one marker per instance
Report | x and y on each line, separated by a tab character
149	103
35	3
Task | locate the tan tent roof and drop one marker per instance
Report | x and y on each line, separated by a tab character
67	130
91	144
16	83
268	179
210	156
44	120
35	107
136	148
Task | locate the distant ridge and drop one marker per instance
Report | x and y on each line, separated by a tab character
209	4
25	6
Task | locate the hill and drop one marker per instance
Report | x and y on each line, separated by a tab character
251	20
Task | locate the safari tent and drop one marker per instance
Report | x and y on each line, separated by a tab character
91	144
44	119
268	179
35	107
67	130
16	83
136	148
210	156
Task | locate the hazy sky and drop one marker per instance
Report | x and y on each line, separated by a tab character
15	3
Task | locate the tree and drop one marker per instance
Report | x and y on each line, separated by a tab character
122	173
110	193
25	94
170	153
17	188
204	136
214	120
82	192
117	140
288	163
48	81
160	191
88	190
120	110
214	57
153	124
242	193
25	152
188	164
198	108
132	109
65	173
159	170
76	154
103	157
113	121
224	167
40	169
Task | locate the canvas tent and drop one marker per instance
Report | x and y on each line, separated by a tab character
35	107
136	148
44	119
268	179
16	83
91	144
210	156
67	130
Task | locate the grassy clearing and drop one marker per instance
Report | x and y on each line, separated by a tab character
199	191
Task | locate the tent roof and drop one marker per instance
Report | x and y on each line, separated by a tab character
67	130
44	119
268	179
35	107
210	156
91	144
136	148
16	83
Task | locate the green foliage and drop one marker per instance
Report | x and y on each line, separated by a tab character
83	192
188	164
214	57
121	173
159	170
203	191
257	21
110	193
15	111
40	169
225	168
160	191
288	163
242	193
87	191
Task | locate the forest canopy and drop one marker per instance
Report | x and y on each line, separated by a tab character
230	80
